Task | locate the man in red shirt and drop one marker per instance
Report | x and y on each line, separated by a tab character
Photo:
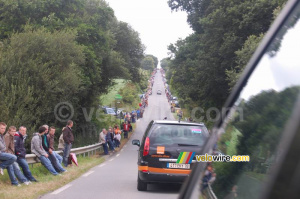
126	129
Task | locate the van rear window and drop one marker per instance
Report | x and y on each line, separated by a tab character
180	135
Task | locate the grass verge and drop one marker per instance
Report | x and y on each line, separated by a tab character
47	182
110	96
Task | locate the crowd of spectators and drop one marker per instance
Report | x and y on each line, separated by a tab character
13	152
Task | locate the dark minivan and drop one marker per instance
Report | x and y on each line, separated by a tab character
167	151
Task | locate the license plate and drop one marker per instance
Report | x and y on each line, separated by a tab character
178	166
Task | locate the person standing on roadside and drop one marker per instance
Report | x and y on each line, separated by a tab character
117	139
61	143
68	139
126	129
20	152
102	140
109	139
38	150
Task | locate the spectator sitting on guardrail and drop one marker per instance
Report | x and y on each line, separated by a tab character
207	177
38	150
68	139
20	152
13	169
6	159
102	140
48	145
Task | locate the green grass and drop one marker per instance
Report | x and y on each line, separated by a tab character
107	99
47	182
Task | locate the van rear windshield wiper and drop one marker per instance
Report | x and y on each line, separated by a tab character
188	145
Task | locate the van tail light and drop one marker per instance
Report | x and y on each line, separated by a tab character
146	147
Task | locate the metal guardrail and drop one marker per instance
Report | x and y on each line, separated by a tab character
209	193
91	149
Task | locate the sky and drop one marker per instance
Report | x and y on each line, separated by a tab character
280	71
157	25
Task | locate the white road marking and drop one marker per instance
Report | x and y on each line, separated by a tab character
125	145
122	149
88	173
101	165
117	155
61	189
111	159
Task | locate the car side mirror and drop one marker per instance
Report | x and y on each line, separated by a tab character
136	142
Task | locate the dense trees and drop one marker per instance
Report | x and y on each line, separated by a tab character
38	69
61	51
264	117
226	34
130	47
149	62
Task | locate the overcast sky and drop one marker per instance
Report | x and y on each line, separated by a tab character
278	72
153	20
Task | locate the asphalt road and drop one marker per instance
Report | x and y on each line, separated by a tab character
117	176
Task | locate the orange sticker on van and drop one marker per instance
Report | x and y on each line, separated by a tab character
160	150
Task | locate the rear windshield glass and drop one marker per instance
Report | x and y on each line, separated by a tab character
179	135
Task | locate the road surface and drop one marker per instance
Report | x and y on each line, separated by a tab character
117	176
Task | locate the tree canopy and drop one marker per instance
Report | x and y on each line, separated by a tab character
226	33
61	51
149	62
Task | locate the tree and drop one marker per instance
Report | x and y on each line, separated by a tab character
96	32
129	45
164	63
210	58
154	59
38	70
148	63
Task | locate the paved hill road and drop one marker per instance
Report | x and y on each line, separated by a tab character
117	176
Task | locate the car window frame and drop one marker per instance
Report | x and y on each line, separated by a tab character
187	190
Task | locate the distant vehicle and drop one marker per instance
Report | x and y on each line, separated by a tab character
120	110
176	104
174	98
163	143
158	92
109	111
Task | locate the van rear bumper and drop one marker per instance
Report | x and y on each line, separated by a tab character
162	177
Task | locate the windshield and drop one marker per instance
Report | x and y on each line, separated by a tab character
178	135
110	111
